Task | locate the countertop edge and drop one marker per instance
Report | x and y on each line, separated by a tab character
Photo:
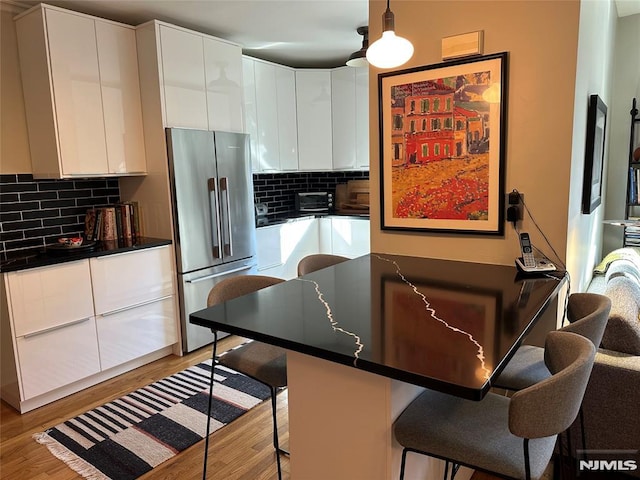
44	259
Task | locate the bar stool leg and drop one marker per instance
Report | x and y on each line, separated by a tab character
206	438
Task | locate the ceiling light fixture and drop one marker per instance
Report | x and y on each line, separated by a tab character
359	58
390	50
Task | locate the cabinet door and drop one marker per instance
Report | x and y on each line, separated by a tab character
48	297
313	108
343	117
362	118
287	120
131	278
250	109
132	333
267	110
269	247
55	358
185	96
350	237
223	73
77	92
119	80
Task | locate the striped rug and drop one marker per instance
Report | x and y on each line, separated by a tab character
126	438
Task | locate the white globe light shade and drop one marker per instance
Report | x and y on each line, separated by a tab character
389	51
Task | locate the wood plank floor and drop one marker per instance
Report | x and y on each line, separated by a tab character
240	451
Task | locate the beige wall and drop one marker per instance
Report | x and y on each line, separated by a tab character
14	143
541	38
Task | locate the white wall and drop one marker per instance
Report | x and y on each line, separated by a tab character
626	86
593	76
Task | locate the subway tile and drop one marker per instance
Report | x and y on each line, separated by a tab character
5	178
25	197
21	225
67	202
23	244
75	193
59	221
37	214
20	206
24	177
15	235
55	185
19	187
9	217
42	232
8	197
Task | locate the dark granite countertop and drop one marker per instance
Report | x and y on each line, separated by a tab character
441	324
51	256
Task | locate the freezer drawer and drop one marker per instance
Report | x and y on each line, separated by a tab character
194	289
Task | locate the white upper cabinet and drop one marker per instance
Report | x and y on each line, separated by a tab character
270	115
350	117
250	109
119	82
287	118
313	108
343	117
223	75
185	95
202	81
81	90
362	118
267	109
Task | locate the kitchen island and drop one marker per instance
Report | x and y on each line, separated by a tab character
367	335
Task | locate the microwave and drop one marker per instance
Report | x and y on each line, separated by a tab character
314	202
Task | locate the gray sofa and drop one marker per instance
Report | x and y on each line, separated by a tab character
612	401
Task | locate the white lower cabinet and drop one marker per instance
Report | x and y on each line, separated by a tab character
131	333
54	342
350	237
282	246
54	358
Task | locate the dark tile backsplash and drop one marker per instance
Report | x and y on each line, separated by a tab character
35	213
277	189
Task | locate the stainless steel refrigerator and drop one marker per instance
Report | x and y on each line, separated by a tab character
212	194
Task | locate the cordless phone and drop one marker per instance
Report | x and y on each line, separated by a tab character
527	251
528	263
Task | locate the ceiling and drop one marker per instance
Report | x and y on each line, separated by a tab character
298	33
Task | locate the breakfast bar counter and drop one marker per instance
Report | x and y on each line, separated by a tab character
364	337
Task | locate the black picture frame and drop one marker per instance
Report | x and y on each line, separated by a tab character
442	146
594	154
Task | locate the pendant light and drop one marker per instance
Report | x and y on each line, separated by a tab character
359	58
389	51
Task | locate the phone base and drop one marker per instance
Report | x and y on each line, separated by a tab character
542	265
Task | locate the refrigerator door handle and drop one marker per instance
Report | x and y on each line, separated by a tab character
226	212
214	275
214	208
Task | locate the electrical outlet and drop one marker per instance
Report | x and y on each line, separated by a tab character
514	207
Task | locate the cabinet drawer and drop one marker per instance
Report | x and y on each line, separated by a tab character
46	297
131	278
132	333
55	358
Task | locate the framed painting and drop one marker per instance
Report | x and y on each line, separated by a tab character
594	154
442	136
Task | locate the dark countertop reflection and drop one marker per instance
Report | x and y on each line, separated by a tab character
441	324
51	256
